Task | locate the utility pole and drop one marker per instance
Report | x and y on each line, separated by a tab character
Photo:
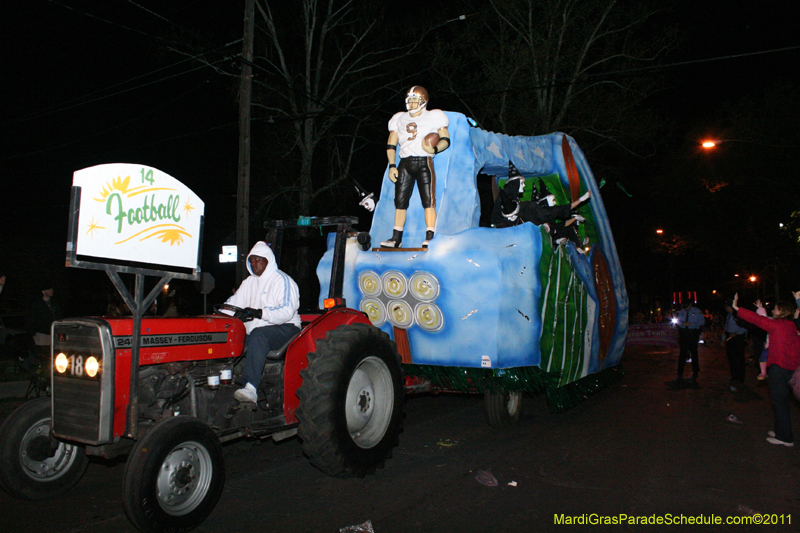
243	190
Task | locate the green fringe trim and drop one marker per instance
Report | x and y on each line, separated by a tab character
526	379
563	398
478	380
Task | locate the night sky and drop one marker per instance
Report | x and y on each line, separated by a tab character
88	82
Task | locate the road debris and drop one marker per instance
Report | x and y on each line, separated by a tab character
485	477
366	527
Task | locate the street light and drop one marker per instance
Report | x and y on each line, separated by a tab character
754	280
711	143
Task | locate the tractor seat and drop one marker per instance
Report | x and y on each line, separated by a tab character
279	354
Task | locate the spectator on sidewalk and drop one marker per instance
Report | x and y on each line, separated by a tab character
762	360
44	311
735	339
783	359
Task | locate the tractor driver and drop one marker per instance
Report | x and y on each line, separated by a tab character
271	300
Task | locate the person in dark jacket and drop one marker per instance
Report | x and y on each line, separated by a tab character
43	313
689	321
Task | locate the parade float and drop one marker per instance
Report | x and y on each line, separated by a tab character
498	311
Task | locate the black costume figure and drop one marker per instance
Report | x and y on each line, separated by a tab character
559	221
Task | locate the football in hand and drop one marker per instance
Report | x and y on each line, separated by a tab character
430	141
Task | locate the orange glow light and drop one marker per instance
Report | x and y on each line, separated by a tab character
752	278
659	231
709	144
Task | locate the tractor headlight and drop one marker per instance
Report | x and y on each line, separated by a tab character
61	363
77	366
92	366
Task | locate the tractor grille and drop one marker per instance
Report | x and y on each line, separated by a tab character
76	409
82	404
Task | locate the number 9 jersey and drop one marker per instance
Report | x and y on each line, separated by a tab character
411	130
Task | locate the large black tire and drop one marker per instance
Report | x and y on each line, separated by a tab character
351	401
502	409
174	477
28	470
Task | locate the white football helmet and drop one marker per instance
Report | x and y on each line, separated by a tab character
419	95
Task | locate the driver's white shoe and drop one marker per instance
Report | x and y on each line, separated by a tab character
246	394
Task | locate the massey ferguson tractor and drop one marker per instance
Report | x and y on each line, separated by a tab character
341	376
500	312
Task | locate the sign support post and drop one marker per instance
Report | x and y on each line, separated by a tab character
136	247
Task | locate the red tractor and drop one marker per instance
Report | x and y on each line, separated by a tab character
338	385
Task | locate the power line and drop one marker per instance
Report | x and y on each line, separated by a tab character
699	61
559	81
148	11
64	106
120	125
104	20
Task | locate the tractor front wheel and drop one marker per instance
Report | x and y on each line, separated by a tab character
174	476
33	466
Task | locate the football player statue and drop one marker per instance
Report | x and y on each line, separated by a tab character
415	135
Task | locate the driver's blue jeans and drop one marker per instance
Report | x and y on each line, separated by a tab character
259	342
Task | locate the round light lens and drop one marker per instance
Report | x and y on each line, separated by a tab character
61	363
369	283
400	314
429	317
424	286
395	284
92	366
374	309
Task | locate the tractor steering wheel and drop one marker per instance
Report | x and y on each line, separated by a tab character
238	312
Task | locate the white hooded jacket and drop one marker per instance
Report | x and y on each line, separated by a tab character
274	292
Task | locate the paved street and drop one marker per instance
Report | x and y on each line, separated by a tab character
634	448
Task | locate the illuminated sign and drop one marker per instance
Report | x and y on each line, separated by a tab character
229	254
137	213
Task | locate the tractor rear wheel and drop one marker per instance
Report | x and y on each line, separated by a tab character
351	401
